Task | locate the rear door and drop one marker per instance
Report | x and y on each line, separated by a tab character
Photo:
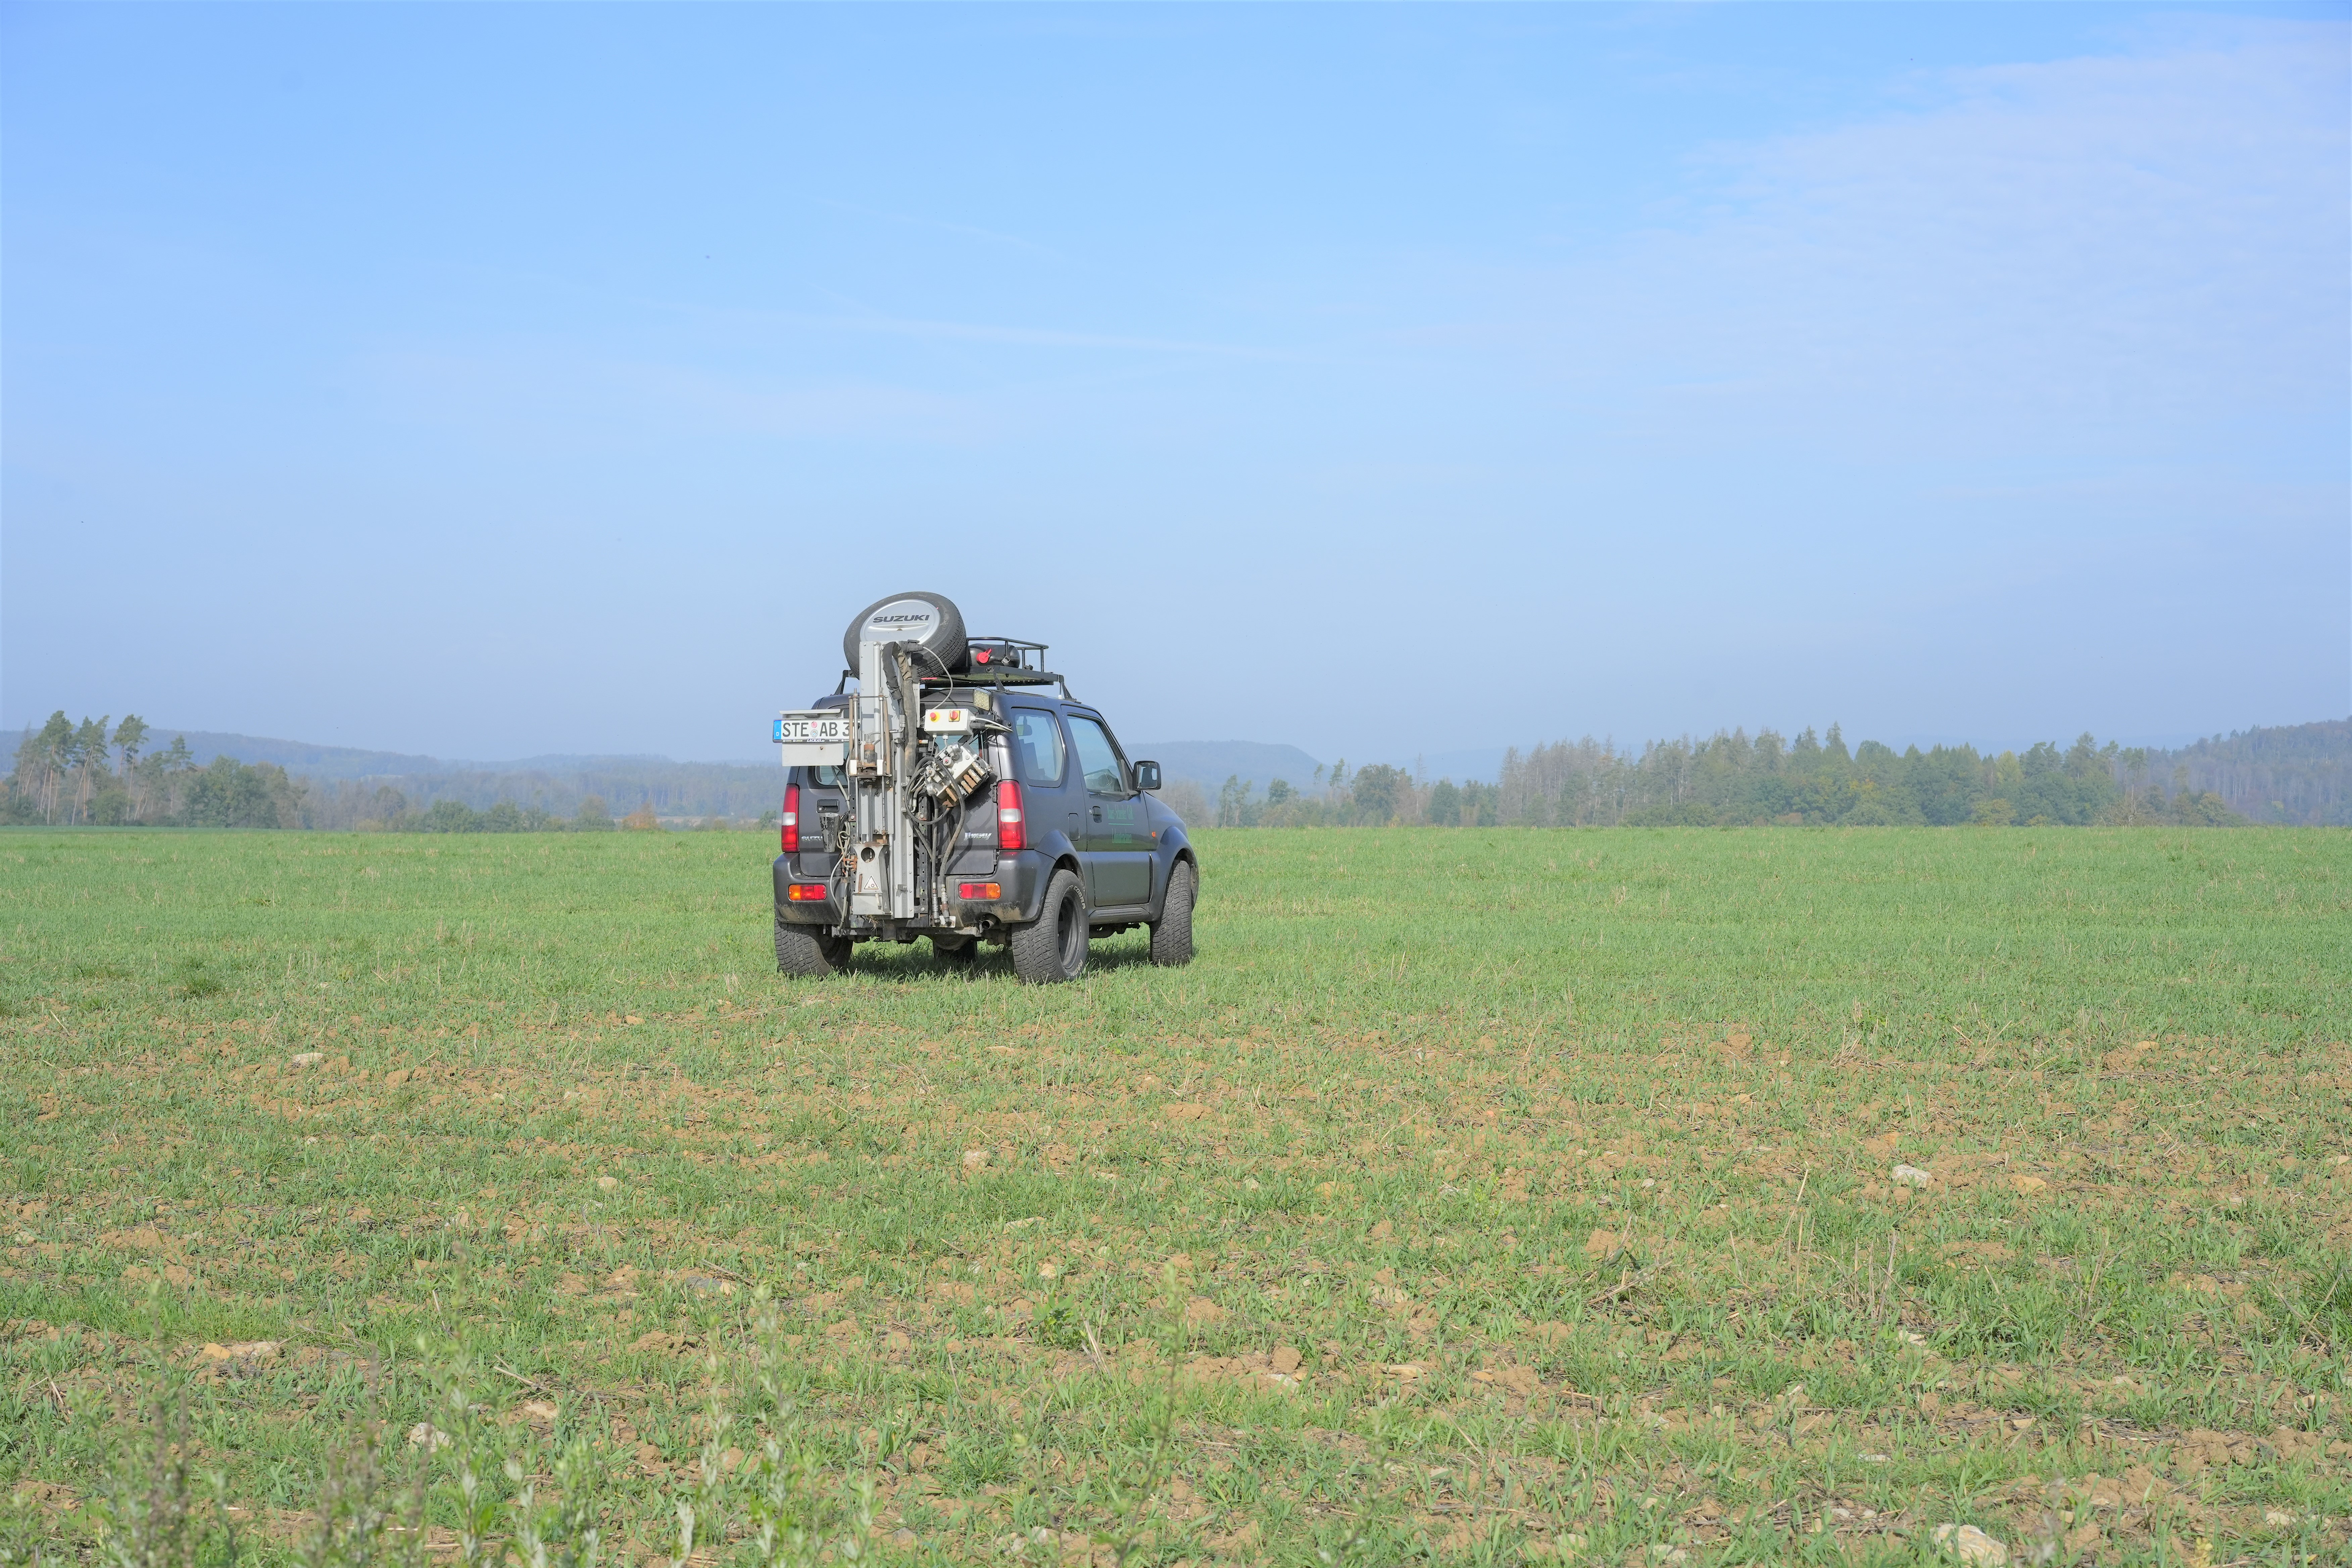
822	801
1117	843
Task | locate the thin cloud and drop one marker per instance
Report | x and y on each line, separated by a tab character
2116	243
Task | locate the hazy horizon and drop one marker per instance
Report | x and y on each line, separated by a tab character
476	382
1481	762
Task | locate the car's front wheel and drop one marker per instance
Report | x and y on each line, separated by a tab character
814	953
1053	947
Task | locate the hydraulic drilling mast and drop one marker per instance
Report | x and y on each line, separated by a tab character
882	763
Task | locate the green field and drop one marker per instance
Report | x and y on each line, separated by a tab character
1475	1197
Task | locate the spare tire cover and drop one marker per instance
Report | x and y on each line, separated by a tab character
929	621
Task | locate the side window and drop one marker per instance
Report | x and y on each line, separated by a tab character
1037	747
1098	758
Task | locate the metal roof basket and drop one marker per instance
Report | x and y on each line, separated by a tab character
1002	661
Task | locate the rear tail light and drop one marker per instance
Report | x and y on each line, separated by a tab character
806	893
980	889
1012	831
792	828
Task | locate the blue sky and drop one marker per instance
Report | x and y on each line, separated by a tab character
495	380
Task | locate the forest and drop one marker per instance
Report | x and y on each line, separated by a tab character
2282	773
1731	779
68	774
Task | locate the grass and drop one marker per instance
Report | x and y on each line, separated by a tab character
1475	1197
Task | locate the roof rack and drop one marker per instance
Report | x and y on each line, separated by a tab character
1000	662
1006	677
1008	653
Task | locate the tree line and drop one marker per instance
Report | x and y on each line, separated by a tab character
1730	779
88	775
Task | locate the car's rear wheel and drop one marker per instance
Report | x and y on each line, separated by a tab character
1053	947
1171	934
814	953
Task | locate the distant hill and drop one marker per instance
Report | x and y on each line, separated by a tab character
1209	763
676	791
299	756
343	780
317	762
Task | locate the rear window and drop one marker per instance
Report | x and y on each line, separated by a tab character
1037	747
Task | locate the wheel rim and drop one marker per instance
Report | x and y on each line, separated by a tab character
1069	924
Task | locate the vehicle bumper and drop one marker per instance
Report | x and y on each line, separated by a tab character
1019	881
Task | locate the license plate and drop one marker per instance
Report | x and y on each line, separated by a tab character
812	739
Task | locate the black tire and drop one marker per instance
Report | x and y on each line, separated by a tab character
814	953
1053	947
1171	934
929	621
956	949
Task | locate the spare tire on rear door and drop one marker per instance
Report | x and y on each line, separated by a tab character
929	621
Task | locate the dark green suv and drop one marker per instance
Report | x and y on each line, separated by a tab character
1066	843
